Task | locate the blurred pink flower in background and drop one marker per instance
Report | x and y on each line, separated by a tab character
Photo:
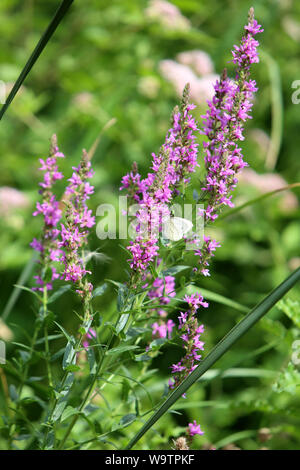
83	99
10	199
179	75
269	182
291	27
198	60
167	14
294	263
262	139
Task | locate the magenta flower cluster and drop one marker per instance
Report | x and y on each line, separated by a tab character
78	220
163	329
190	334
63	244
171	169
48	245
206	252
223	125
162	290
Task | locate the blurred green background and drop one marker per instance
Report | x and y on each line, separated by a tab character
104	63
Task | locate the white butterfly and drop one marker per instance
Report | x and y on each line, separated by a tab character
174	228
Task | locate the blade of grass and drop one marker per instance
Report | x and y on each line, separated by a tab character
238	373
60	13
276	110
93	148
255	200
16	290
238	436
219	350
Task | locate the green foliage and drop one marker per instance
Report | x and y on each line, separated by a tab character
103	63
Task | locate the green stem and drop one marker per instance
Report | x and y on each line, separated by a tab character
47	350
25	373
65	375
98	371
87	395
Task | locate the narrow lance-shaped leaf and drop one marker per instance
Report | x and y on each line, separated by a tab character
217	352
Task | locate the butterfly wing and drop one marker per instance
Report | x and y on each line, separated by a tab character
176	227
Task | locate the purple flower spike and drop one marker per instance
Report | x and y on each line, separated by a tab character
75	231
190	335
224	125
170	172
48	246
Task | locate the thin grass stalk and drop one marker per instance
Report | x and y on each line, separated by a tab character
57	18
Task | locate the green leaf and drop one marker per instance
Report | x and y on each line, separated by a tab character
121	349
50	441
122	322
58	354
142	357
127	419
84	328
35	379
13	393
125	390
275	328
45	316
134	332
50	338
69	357
22	437
157	343
292	309
72	368
58	293
23	346
26	356
29	290
111	326
68	412
128	378
288	380
99	290
92	361
69	338
122	296
59	408
219	350
174	270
